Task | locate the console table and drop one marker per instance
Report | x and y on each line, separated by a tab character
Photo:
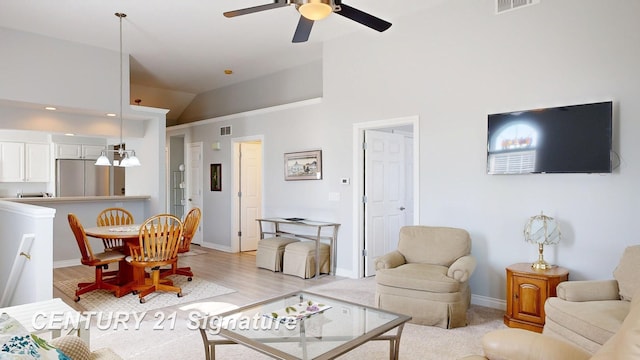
304	229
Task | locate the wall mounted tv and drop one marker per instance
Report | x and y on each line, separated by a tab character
565	139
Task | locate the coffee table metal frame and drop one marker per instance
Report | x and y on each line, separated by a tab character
261	344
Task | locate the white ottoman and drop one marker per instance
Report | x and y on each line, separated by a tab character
300	259
270	251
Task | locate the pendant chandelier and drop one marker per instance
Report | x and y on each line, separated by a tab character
128	157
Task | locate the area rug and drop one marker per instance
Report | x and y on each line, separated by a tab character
418	342
103	300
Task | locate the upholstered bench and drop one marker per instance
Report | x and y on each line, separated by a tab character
270	252
300	259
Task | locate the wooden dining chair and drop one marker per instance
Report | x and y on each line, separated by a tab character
191	222
114	216
107	280
159	239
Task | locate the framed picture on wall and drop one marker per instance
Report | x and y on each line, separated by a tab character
304	165
216	177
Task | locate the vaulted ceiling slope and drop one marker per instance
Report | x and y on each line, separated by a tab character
180	49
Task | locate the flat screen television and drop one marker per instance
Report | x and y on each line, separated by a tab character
565	139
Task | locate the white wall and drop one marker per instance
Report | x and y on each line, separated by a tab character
38	71
451	66
33	276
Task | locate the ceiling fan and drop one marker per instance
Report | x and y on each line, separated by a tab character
312	10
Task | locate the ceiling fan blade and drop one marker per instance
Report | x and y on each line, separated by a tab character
302	30
362	17
274	5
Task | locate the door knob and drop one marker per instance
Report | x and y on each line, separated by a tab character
402	208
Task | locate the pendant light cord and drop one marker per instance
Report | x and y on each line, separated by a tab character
121	148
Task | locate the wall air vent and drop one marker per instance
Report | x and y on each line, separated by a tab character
225	130
508	5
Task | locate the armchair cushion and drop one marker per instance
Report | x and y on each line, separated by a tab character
588	290
421	277
445	244
519	344
627	272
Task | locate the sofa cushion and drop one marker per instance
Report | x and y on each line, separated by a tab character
421	277
625	344
433	245
17	343
594	320
627	272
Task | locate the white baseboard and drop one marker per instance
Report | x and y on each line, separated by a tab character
488	302
66	263
216	247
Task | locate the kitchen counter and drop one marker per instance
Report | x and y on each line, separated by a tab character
50	200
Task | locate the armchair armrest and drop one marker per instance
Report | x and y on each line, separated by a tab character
390	260
462	268
588	290
519	344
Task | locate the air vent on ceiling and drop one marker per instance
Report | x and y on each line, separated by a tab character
508	5
225	130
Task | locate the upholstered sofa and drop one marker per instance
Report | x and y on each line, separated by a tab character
588	313
519	344
427	277
16	342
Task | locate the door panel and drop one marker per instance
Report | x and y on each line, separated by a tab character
251	189
194	180
384	191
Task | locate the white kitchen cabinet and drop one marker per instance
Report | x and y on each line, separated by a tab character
11	162
37	162
24	162
91	151
78	151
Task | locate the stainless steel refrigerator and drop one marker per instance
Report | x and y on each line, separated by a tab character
77	177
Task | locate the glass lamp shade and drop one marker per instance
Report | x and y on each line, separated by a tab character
103	160
542	230
316	9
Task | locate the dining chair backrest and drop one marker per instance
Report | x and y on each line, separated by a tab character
81	238
114	216
191	222
159	239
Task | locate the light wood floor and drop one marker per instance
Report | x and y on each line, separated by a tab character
235	271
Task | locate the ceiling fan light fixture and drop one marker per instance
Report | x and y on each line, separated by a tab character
316	9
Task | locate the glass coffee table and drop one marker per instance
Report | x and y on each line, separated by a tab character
302	325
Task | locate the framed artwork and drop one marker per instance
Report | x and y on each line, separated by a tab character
216	177
304	165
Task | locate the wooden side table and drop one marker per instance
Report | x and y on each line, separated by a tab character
527	291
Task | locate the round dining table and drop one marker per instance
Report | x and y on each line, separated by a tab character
129	275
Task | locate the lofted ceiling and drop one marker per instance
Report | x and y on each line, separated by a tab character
186	45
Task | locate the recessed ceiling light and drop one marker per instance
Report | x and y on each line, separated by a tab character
50	108
110	114
228	71
69	134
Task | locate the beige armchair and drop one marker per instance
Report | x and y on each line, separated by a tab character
518	344
427	276
587	313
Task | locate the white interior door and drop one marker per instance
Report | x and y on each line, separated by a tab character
384	192
194	187
250	196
